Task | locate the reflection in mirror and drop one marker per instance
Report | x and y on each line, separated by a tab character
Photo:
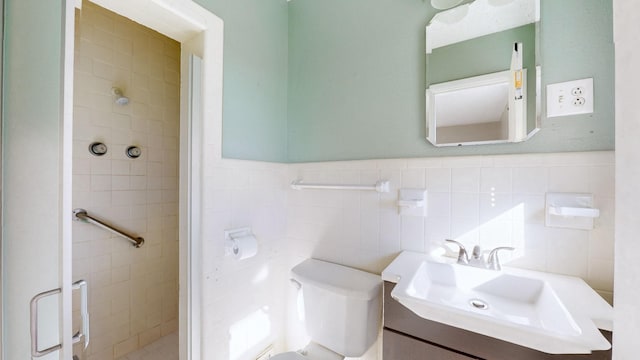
475	111
471	42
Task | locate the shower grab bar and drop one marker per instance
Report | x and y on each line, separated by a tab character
84	313
380	186
81	215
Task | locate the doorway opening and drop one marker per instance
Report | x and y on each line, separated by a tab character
154	53
127	97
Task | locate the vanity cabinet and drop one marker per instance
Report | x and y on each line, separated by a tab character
406	336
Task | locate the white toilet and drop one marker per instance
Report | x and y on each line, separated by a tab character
342	309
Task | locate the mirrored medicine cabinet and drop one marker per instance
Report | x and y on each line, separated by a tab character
483	82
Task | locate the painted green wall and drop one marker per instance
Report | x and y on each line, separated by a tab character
255	78
357	79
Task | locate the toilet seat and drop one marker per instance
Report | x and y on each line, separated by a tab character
312	351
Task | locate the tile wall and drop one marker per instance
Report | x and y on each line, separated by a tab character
486	200
133	292
243	301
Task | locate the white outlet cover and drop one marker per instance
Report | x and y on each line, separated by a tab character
561	100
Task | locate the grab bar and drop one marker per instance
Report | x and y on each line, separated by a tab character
81	215
84	313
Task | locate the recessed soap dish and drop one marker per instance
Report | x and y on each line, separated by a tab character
570	210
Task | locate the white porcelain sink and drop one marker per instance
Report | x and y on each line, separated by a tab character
514	305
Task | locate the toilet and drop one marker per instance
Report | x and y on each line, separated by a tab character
342	309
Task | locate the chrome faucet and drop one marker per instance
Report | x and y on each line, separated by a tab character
463	257
493	261
477	260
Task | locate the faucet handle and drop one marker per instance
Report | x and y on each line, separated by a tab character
463	258
477	252
493	262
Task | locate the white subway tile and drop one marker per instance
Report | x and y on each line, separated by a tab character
496	207
495	180
602	181
465	205
530	180
439	205
412	233
413	178
465	230
569	179
465	180
437	229
438	180
528	209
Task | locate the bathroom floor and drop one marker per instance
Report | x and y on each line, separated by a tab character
165	348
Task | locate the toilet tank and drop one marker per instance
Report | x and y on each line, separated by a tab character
342	305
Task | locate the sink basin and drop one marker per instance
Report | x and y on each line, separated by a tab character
494	295
514	305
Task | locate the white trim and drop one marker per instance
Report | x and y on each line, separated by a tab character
190	204
66	166
476	81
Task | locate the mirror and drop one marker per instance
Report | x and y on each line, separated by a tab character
477	110
483	81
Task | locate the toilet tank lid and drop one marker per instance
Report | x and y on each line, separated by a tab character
341	279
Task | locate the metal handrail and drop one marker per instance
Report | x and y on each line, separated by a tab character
81	215
84	313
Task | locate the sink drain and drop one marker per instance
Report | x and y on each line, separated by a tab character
479	304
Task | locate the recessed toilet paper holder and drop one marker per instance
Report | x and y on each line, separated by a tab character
230	245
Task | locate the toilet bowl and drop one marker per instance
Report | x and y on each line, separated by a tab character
342	307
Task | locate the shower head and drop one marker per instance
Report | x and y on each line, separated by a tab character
119	96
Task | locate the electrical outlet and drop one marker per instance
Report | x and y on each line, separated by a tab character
579	101
570	98
577	91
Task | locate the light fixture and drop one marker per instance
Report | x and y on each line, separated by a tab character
119	96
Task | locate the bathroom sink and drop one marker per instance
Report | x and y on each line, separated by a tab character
514	305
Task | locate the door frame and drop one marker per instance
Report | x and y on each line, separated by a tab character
200	33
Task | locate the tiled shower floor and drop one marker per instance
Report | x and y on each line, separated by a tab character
165	348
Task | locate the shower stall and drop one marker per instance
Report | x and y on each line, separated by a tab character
126	121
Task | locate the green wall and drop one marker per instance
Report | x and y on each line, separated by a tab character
255	78
357	79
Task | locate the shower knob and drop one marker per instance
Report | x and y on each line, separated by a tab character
98	148
134	152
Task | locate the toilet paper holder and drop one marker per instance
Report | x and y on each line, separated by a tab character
230	236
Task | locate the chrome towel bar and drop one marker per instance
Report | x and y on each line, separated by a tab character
81	215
